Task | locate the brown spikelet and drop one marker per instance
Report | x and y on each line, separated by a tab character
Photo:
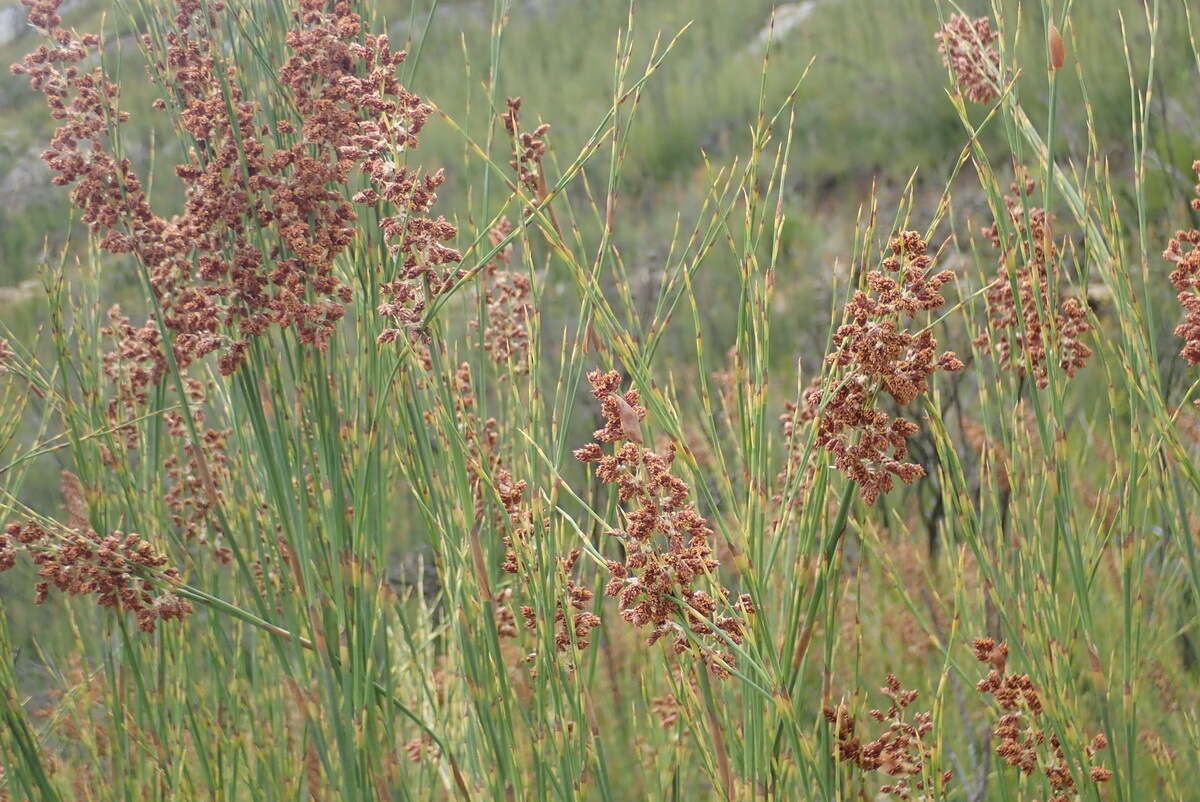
73	501
903	751
115	569
1058	53
254	246
1020	740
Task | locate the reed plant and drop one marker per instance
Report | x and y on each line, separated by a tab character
359	500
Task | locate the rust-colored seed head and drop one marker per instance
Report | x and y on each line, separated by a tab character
529	149
509	312
901	751
114	568
1032	307
1183	251
1019	742
264	220
874	353
667	543
1054	44
965	46
572	621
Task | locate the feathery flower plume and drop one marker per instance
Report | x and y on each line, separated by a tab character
875	354
966	50
1037	259
666	541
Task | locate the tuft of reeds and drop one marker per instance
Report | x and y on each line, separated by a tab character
344	417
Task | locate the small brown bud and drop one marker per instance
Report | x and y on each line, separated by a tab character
630	424
1058	53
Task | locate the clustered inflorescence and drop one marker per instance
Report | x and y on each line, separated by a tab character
966	48
117	569
266	210
509	313
1020	743
197	483
529	149
666	541
1184	252
1025	325
489	474
218	282
797	474
573	621
900	751
875	354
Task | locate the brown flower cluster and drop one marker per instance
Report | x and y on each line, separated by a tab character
1020	743
196	484
900	751
266	211
134	365
480	437
572	627
6	353
573	621
506	294
666	541
792	422
1183	251
1019	331
529	149
873	353
667	709
421	749
966	49
116	569
218	279
511	493
486	469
